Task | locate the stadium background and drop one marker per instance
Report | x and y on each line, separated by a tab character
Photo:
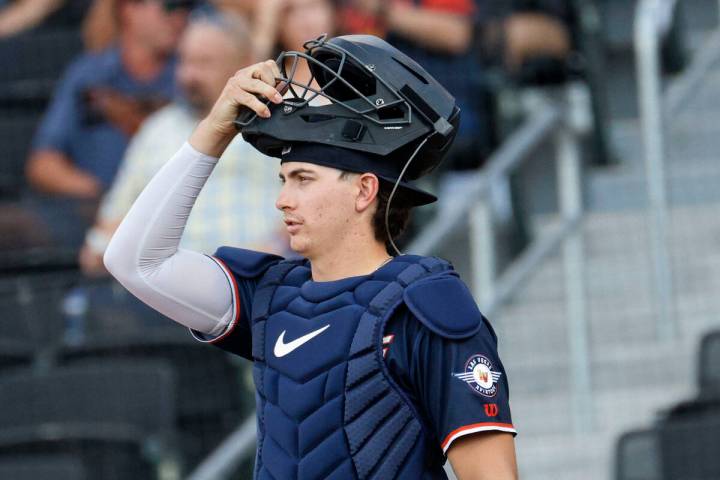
613	372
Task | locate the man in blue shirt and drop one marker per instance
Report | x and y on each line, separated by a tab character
366	365
98	105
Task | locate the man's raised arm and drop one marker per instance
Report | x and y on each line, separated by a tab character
143	255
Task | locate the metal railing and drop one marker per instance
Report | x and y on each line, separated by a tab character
552	118
653	19
231	452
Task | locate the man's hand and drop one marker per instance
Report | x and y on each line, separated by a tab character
530	35
216	131
97	239
91	262
124	112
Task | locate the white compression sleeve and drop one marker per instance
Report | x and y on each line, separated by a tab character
143	255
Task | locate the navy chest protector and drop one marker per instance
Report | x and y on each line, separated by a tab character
327	406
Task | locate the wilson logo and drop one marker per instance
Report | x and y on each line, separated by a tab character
491	409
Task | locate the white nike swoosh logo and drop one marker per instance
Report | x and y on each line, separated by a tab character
281	348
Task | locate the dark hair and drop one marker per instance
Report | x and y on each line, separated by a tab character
398	217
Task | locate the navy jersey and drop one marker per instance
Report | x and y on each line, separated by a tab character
459	387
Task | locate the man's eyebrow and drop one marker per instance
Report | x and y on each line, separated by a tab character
296	172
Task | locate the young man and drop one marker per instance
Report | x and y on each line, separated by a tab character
365	365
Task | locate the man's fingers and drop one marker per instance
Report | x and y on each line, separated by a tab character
255	81
252	102
259	87
275	70
263	73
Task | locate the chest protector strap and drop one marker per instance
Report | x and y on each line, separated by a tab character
380	421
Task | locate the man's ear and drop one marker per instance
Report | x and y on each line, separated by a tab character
368	187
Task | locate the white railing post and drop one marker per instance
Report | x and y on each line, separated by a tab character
482	251
228	455
571	209
649	12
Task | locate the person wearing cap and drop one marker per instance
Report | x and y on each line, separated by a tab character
366	364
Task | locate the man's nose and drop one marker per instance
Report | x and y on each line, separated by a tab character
283	199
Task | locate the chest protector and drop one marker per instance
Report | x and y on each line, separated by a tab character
327	406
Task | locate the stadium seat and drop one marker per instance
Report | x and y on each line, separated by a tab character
17	128
709	365
689	438
33	62
14	354
31	307
110	414
111	308
211	402
43	467
638	456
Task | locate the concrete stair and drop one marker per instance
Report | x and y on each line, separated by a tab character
635	375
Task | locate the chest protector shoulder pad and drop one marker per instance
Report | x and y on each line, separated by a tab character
444	304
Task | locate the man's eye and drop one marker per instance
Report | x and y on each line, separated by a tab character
303	179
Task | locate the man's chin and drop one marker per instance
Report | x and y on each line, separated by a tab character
299	246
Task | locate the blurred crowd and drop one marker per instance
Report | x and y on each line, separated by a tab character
149	70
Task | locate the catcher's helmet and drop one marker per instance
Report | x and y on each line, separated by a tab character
377	100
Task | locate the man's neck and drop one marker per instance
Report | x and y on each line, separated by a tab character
348	262
141	62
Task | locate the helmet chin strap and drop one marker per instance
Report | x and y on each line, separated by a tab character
392	193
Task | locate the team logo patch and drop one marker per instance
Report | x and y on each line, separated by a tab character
480	376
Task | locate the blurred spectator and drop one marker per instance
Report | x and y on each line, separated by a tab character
20	15
100	27
549	42
288	24
242	8
515	32
97	107
236	206
438	35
